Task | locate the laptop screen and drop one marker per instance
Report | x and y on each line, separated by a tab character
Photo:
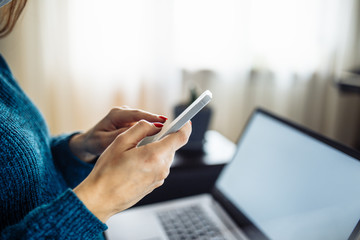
291	185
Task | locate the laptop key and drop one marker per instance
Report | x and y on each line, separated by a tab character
189	223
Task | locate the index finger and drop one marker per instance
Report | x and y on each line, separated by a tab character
128	115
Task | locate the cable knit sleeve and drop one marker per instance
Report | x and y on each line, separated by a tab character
34	200
37	173
72	168
63	218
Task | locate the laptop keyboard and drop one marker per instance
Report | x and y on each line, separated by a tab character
189	223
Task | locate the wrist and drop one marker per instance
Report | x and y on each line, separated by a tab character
93	201
77	146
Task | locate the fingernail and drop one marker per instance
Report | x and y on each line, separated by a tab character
190	122
158	125
163	118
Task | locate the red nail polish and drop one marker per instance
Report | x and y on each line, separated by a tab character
163	118
190	123
158	125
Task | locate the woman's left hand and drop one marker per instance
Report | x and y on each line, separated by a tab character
89	145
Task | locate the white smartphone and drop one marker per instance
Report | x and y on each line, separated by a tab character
183	118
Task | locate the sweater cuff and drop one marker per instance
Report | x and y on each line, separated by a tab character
83	222
72	168
62	142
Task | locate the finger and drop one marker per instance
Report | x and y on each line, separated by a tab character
131	137
137	115
113	134
176	140
126	115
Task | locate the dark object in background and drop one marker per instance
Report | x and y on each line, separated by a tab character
349	81
200	124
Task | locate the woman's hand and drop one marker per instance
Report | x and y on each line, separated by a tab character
125	173
89	145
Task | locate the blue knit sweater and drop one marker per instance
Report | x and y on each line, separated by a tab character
37	173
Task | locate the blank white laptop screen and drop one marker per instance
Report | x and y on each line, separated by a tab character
291	185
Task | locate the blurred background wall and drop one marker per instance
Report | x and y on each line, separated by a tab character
78	58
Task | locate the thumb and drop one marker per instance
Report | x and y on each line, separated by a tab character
131	137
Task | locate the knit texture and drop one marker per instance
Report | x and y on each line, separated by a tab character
37	173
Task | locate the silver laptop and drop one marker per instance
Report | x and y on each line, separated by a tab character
284	182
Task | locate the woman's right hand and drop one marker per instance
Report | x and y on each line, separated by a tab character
125	173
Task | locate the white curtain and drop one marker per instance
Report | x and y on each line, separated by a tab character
78	58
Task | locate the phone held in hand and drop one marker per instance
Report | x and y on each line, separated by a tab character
183	118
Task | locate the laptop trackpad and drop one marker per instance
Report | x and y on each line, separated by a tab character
135	226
